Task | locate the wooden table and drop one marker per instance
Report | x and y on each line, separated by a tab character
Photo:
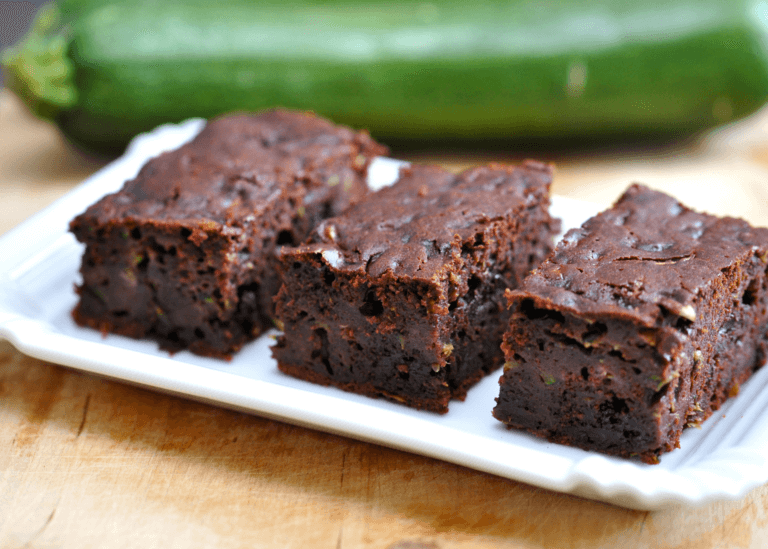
89	462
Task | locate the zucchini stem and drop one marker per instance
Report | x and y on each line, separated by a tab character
38	70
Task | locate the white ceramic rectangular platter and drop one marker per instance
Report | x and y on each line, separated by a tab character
724	459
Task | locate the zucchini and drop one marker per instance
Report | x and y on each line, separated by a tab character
512	70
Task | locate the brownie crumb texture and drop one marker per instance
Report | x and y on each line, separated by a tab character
185	253
402	296
640	324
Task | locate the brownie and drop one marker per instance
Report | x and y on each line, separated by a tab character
402	296
185	253
642	322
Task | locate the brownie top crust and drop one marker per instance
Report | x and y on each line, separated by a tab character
417	225
240	164
646	257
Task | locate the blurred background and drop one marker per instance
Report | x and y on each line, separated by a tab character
15	20
714	159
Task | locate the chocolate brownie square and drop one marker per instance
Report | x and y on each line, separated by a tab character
184	254
642	322
402	296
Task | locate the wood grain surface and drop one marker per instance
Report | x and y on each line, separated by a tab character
88	462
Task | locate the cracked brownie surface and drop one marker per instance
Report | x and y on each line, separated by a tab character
184	254
401	296
642	322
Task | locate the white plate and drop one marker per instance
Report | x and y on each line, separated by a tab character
723	460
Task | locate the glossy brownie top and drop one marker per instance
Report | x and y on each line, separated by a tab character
419	224
646	256
240	164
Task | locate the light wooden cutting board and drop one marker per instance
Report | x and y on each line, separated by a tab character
88	462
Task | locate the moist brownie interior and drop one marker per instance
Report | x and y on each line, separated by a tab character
402	295
642	322
184	254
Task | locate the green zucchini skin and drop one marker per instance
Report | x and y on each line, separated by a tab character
415	70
